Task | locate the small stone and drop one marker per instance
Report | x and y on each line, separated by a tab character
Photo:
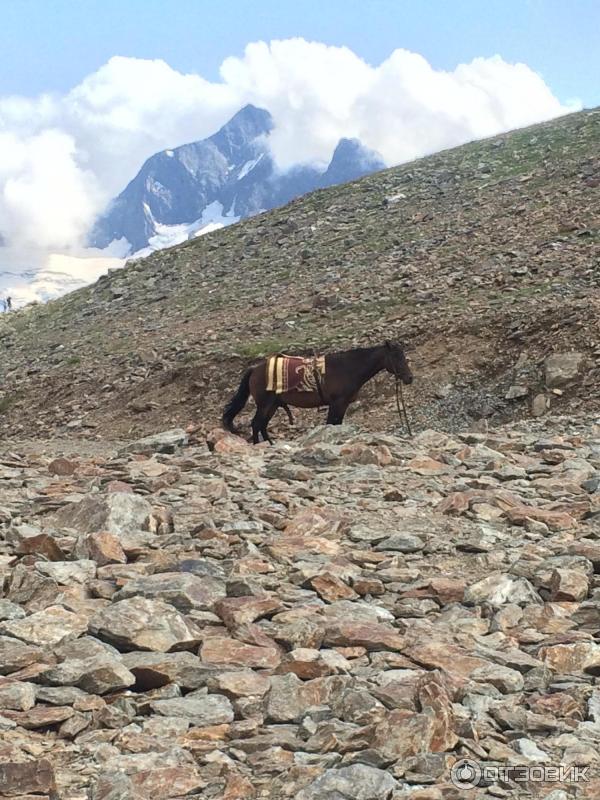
401	543
308	664
40	716
62	466
516	392
96	675
427	466
10	610
152	670
504	679
540	405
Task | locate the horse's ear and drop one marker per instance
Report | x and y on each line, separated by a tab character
387	344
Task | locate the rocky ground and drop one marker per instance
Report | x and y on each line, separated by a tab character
484	259
341	617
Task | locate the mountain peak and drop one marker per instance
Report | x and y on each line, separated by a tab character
350	160
217	181
248	123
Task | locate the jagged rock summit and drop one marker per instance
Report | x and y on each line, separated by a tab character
216	181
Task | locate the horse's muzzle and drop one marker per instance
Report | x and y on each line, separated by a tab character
408	380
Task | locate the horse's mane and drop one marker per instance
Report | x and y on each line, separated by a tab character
356	350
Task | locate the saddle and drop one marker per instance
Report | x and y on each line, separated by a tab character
295	374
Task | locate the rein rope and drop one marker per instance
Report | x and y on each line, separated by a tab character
399	398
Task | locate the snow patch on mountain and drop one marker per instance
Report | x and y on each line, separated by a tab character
213	217
248	167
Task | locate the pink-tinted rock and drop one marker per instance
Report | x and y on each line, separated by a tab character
222	650
235	611
555	520
434	693
372	636
103	548
446	656
572	657
331	588
568	584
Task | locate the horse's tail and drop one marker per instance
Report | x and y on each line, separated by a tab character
237	402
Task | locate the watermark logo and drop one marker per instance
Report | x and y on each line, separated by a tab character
468	774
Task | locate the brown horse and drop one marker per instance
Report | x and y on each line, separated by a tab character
345	374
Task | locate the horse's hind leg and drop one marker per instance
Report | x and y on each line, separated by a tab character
288	411
265	408
257	422
267	418
256	425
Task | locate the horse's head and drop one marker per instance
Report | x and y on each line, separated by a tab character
396	362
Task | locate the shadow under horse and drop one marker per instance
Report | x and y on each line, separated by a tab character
345	374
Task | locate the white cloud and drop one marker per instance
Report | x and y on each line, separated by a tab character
46	196
62	157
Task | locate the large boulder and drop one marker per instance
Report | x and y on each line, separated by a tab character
48	627
116	512
182	590
198	707
357	782
166	442
561	369
141	624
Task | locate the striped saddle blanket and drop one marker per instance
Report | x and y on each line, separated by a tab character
295	374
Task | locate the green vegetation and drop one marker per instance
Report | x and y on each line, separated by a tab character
264	347
6	402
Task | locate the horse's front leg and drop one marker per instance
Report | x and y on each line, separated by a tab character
337	410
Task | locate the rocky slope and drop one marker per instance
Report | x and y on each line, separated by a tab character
217	181
348	614
344	617
484	259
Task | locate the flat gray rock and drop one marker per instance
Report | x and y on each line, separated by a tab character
358	782
141	624
182	590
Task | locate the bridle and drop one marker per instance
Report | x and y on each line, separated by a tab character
400	404
401	398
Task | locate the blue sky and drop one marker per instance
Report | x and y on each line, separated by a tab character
50	45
